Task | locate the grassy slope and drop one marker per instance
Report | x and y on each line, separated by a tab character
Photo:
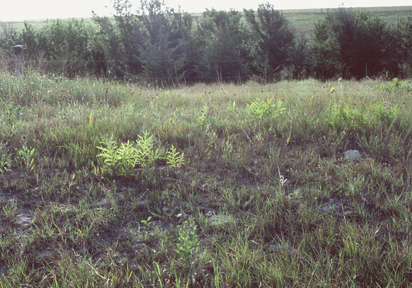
302	19
292	212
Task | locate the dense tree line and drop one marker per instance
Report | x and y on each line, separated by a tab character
159	44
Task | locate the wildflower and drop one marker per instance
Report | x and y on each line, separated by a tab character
332	90
340	80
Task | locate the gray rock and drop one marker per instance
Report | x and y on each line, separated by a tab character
283	247
44	254
328	207
24	219
102	202
217	220
351	155
209	214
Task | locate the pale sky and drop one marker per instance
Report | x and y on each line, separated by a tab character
17	10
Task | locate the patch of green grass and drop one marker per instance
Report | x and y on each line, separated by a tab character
239	193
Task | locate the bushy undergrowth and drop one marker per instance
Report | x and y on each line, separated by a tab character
396	86
109	184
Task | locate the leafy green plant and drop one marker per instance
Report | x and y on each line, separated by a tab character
109	154
344	118
396	86
126	157
385	113
173	159
9	210
188	241
5	159
146	223
25	157
260	108
11	113
202	118
146	154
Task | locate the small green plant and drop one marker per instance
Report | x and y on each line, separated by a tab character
128	156
146	223
344	118
146	154
9	210
188	244
396	86
109	153
385	113
173	159
5	159
232	107
202	118
11	113
260	108
25	157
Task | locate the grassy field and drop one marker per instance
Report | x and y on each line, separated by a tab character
107	184
302	19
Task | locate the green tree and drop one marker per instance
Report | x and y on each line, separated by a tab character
65	46
299	54
62	43
324	58
162	50
28	37
401	42
225	46
352	45
119	40
274	42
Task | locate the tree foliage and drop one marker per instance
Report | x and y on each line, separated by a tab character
162	48
222	36
118	39
157	44
352	45
275	39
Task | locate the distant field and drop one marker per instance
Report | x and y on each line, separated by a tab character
302	19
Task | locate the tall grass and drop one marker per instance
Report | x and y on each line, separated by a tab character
262	199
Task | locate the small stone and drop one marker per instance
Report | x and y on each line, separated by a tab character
101	203
209	214
282	247
328	207
351	155
217	220
43	254
24	219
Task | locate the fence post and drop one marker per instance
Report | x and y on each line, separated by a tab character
17	53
